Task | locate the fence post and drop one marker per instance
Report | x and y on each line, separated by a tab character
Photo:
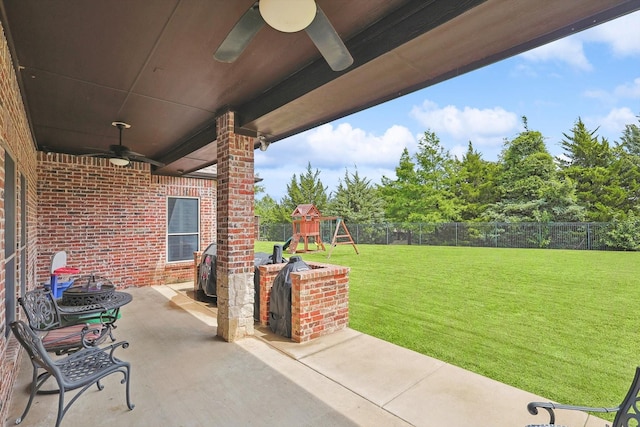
588	236
387	233
456	234
539	234
495	233
420	235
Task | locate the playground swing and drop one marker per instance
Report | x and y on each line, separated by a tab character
306	229
341	239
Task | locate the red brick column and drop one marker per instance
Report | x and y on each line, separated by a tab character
235	231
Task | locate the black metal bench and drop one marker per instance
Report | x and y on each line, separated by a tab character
79	370
627	414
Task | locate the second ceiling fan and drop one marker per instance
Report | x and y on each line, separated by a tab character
288	16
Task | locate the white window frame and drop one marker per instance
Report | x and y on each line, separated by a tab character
168	234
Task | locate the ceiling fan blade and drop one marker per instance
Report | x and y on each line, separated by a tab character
240	36
145	160
128	152
328	42
96	154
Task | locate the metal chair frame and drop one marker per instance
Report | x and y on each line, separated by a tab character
79	370
627	413
69	333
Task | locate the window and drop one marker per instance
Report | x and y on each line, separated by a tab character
183	228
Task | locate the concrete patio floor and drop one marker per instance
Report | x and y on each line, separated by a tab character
183	375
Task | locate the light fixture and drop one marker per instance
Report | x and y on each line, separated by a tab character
288	16
264	144
118	161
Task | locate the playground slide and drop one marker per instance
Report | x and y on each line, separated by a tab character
287	243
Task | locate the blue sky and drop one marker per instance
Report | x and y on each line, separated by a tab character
594	75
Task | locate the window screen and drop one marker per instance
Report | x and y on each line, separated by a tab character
183	228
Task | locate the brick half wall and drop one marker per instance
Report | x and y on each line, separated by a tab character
319	299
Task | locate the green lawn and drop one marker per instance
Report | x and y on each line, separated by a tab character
562	324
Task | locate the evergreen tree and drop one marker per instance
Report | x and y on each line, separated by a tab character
531	189
357	201
435	171
268	210
591	163
475	187
628	169
582	148
630	140
402	194
307	189
423	190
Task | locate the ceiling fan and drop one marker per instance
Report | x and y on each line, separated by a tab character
120	155
288	16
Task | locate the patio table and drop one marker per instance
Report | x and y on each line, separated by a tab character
95	299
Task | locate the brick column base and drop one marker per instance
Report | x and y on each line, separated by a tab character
237	315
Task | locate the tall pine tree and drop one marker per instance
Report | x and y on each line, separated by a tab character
357	201
531	189
307	189
590	163
475	186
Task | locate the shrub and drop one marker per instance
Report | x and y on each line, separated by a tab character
624	233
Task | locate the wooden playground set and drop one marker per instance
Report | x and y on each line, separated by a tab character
306	230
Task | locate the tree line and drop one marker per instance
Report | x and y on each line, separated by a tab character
593	180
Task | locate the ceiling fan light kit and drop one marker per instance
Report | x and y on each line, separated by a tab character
118	161
288	16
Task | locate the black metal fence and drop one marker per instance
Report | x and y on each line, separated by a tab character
559	235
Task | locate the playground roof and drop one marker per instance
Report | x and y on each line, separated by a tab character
306	210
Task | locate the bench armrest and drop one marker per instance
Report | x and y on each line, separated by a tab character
549	407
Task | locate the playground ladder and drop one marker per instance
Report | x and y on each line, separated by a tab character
294	243
346	235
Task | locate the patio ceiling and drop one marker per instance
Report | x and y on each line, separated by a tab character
82	65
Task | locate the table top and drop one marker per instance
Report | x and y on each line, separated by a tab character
116	300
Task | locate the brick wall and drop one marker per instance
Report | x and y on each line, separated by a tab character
319	299
111	220
16	142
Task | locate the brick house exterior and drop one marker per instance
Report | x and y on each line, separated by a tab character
17	147
110	220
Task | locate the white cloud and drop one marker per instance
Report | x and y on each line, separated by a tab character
485	127
568	50
628	90
338	146
621	35
345	145
614	122
600	95
332	150
458	151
